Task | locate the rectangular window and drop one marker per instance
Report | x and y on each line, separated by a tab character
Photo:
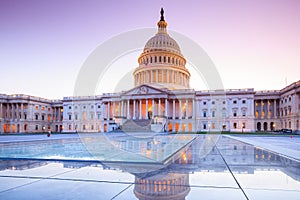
234	102
244	101
70	117
234	113
36	127
234	125
43	117
76	117
92	116
204	126
83	127
25	116
36	107
204	113
99	116
244	113
213	125
36	117
213	114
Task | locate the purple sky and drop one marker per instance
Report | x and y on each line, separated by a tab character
44	43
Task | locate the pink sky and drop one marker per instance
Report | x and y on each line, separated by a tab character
43	44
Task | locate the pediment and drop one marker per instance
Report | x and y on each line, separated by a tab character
144	89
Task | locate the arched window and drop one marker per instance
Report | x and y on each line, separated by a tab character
155	59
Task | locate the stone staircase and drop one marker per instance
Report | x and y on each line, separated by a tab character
143	125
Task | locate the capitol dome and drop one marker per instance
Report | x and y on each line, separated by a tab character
161	63
163	42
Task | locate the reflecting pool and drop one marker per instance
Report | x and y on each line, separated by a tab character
194	167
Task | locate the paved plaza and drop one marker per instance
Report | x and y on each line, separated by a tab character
205	167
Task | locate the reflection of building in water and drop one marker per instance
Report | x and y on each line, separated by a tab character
171	181
21	164
162	186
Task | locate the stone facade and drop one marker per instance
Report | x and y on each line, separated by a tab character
161	97
27	114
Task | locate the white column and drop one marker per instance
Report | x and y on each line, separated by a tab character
180	110
268	108
128	106
168	76
134	109
174	108
7	111
22	111
159	103
275	109
193	109
58	117
114	109
17	111
140	117
186	108
12	111
122	108
151	72
166	107
261	108
146	117
108	110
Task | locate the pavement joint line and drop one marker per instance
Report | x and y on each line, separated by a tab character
122	191
38	179
232	173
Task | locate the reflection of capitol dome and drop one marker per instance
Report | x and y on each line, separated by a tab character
161	64
171	186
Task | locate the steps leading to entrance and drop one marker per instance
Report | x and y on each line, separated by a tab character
143	125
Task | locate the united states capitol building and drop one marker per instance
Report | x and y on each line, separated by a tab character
161	100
